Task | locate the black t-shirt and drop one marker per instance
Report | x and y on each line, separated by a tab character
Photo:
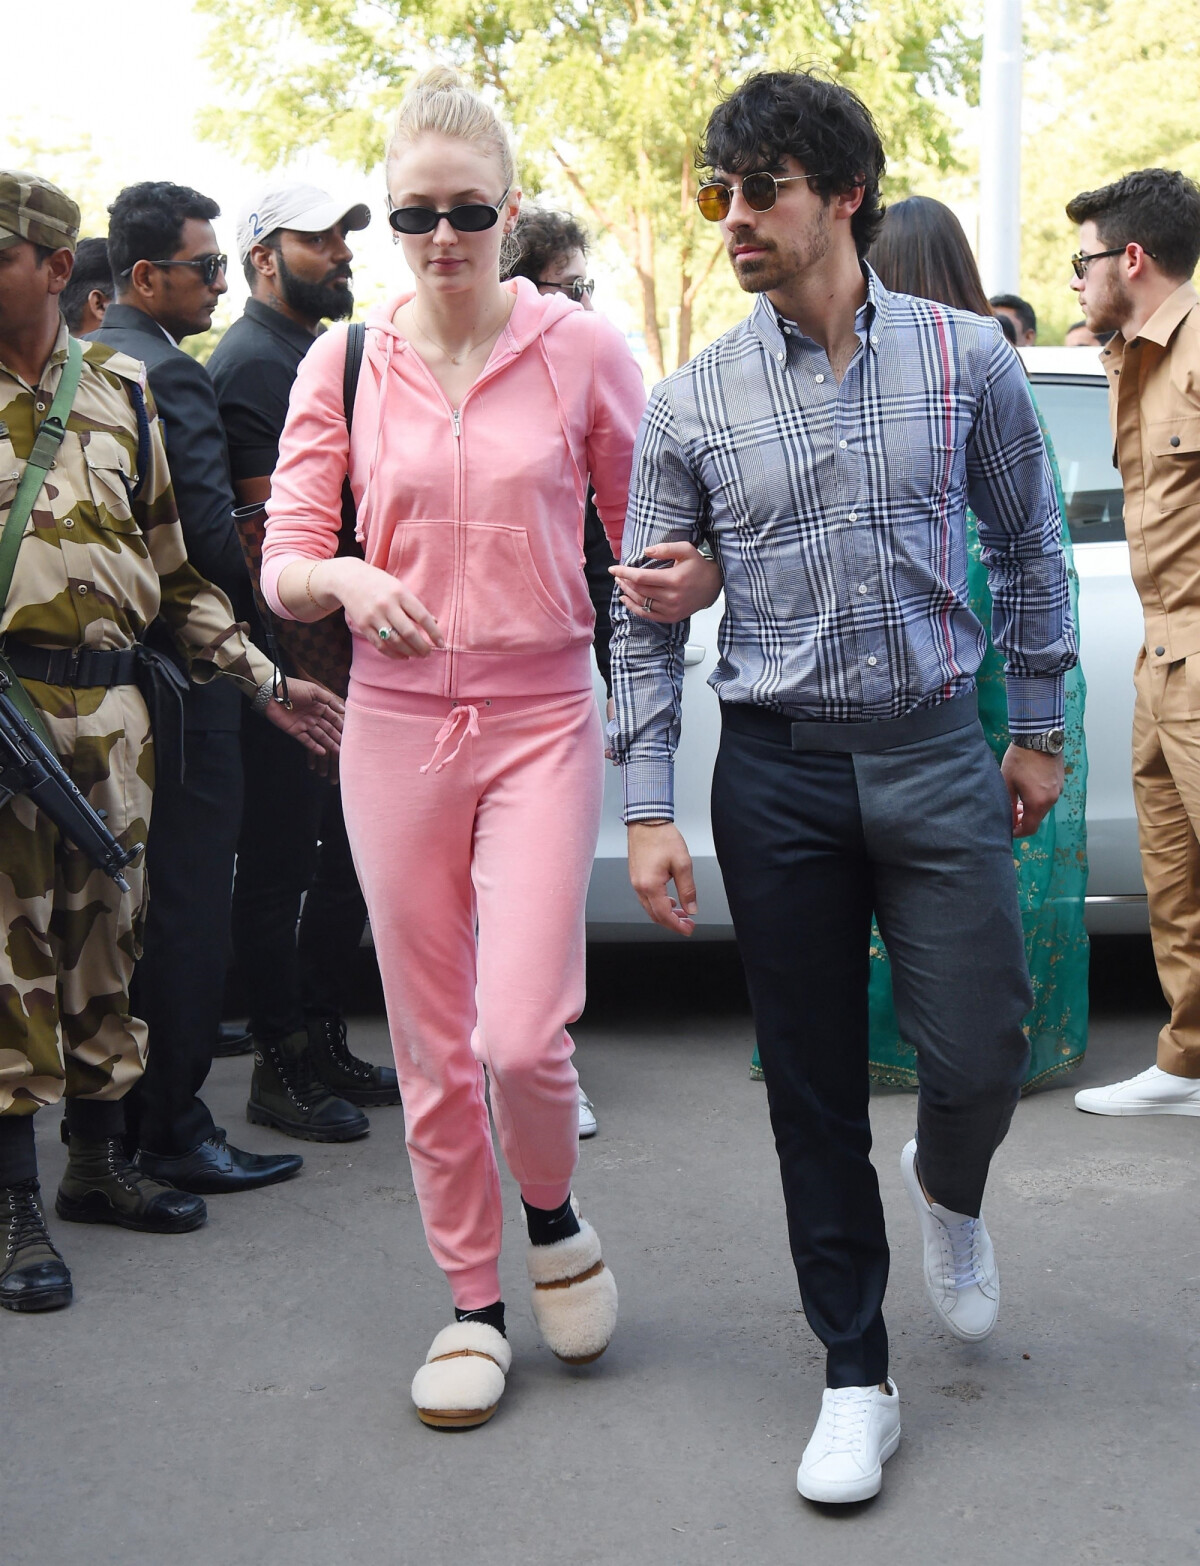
253	367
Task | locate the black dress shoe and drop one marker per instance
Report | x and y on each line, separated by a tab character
233	1038
214	1168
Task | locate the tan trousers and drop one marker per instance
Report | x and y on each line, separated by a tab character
72	935
1166	792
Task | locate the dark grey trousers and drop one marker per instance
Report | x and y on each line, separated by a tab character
810	842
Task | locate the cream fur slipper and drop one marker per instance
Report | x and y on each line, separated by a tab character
574	1296
460	1384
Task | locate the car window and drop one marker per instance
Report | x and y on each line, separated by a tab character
1076	414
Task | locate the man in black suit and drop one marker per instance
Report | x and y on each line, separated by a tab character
168	275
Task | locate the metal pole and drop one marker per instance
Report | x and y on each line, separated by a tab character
1000	148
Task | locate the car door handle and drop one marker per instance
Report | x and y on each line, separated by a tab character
693	652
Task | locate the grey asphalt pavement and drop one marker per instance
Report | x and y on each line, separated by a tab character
239	1396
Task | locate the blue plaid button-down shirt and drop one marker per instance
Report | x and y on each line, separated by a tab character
838	515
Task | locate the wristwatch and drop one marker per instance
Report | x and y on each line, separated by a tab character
1050	742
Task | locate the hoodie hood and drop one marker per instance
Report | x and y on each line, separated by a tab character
532	314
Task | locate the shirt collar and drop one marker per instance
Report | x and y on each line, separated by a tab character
768	324
298	336
1166	320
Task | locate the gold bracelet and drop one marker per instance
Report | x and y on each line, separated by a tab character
308	584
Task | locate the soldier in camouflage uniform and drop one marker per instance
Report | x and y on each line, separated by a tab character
102	555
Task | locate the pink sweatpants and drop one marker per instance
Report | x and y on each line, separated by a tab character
478	816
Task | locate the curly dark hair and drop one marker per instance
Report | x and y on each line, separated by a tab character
544	238
821	124
146	222
1158	209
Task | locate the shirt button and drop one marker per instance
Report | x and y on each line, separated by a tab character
819	379
853	516
862	587
843	444
82	589
41	407
1158	651
68	521
779	356
872	661
874	342
1174	440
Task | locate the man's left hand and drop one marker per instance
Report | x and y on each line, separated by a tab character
1034	781
315	717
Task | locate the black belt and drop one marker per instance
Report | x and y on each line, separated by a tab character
79	667
959	712
162	685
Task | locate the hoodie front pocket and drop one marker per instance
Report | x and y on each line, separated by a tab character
480	583
506	607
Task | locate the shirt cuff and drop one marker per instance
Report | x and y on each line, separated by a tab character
1035	703
649	788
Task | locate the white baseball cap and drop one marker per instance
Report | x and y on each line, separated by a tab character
305	208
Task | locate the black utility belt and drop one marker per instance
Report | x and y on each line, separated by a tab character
163	686
78	667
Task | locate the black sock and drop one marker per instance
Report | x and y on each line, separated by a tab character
547	1226
93	1121
490	1315
18	1159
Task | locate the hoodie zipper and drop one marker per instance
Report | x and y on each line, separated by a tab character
460	552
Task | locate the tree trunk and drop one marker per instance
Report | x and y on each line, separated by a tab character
645	268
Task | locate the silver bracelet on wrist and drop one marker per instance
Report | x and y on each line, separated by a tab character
263	694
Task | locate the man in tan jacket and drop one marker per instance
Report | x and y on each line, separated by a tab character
1139	241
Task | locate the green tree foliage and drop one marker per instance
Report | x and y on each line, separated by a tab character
608	98
1113	86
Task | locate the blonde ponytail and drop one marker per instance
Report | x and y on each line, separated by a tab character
441	103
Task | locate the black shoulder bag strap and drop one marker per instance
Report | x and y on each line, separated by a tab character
356	339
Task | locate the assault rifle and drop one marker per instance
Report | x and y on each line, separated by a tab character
29	766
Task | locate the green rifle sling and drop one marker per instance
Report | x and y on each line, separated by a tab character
45	448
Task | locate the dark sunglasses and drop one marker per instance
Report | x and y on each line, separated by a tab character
472	218
759	192
1081	259
576	290
207	266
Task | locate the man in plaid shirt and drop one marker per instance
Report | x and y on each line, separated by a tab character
827	448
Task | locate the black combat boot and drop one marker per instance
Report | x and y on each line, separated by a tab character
33	1276
285	1092
101	1186
357	1081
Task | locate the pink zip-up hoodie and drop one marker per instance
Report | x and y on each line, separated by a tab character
479	510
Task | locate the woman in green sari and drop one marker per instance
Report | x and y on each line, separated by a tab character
922	250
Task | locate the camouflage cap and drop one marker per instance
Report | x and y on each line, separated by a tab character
32	208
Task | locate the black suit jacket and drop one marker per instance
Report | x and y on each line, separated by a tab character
199	462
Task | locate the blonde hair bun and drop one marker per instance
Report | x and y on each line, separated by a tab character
438	78
441	103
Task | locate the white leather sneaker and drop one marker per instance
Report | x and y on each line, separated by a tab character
1151	1092
587	1116
857	1432
961	1276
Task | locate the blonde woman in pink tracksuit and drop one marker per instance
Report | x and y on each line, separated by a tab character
472	757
